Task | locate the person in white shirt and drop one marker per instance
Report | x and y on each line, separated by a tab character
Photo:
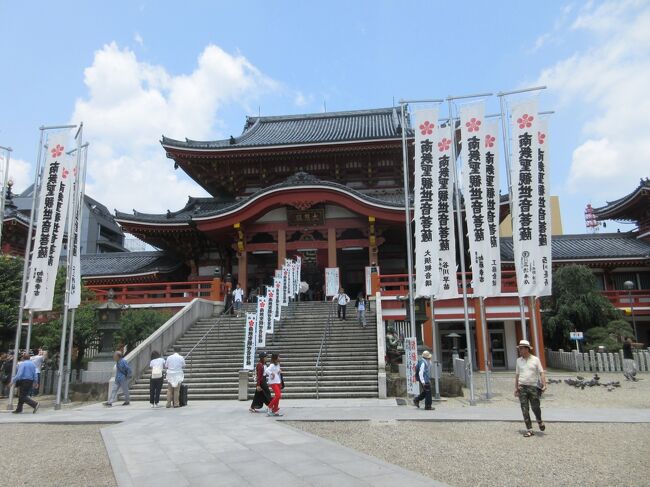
38	360
157	365
342	299
530	382
361	305
174	365
238	299
274	379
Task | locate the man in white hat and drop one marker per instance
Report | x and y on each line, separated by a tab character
530	382
423	375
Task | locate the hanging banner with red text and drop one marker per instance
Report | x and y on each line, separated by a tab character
525	201
261	317
443	215
544	282
271	305
250	342
277	301
426	281
285	285
332	281
492	206
53	205
76	208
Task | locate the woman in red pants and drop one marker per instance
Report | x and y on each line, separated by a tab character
274	380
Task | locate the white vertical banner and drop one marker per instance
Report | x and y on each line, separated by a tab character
332	283
76	209
525	214
296	278
444	257
261	316
493	205
277	299
472	129
425	269
270	308
52	211
411	354
544	284
299	271
285	285
250	342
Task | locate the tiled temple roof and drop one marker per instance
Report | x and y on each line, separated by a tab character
127	263
613	208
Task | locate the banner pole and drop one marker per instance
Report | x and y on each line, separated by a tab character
64	326
486	361
434	348
533	321
461	246
5	180
66	391
30	323
28	245
407	212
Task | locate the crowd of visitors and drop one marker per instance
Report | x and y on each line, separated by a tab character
265	376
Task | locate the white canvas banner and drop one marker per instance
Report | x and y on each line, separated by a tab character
250	342
525	214
76	208
544	284
474	187
52	212
299	271
492	205
331	281
277	299
270	309
411	354
425	272
261	317
285	285
444	258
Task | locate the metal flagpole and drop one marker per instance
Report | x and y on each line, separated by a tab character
461	245
59	385
4	186
407	212
30	323
79	202
486	362
434	348
30	230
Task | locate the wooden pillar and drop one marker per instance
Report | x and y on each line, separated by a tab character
540	334
242	273
331	247
478	323
282	247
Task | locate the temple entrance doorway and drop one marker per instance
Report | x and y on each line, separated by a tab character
352	262
261	270
313	268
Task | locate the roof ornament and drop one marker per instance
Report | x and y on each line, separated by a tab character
169	214
302	177
232	140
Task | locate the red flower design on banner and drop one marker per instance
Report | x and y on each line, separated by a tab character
473	125
444	145
526	121
57	151
541	137
251	323
427	128
65	173
489	140
262	304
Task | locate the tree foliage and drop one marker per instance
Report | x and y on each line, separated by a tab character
138	324
576	304
610	336
11	278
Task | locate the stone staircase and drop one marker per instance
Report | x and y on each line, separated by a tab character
349	359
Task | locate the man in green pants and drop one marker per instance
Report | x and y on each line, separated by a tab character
530	382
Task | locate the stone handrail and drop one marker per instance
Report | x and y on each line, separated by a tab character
165	336
381	348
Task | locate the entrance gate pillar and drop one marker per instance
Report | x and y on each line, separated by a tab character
282	247
331	247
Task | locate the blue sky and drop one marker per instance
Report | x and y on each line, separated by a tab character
135	70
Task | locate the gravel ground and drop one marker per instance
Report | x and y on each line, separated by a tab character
495	454
54	455
629	395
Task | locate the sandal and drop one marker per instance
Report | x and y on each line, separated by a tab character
542	426
528	434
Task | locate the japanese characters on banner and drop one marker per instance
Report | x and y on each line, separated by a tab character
76	205
544	285
411	354
277	301
493	203
298	273
525	200
331	281
270	308
425	269
285	285
443	215
261	316
250	342
52	213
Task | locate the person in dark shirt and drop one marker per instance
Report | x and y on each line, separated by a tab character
262	393
629	365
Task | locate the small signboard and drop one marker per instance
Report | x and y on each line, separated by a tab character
332	281
576	335
411	354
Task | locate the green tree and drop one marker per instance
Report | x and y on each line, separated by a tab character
11	278
576	304
138	324
610	336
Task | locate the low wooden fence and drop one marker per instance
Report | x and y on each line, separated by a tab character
595	361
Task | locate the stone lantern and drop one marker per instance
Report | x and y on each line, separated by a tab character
108	322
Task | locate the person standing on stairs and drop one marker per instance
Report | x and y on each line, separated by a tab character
175	376
262	395
238	299
157	365
362	305
274	379
342	299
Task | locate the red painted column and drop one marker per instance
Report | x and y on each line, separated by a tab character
282	247
331	247
479	335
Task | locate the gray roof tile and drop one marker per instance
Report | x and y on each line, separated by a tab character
126	263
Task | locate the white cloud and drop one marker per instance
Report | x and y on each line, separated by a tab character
301	100
131	103
138	39
611	79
